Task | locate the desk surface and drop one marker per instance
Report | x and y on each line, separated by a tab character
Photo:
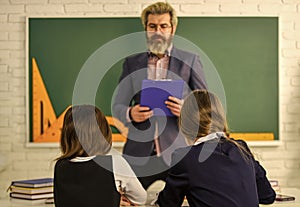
7	202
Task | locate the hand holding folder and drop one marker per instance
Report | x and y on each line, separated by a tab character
156	92
174	104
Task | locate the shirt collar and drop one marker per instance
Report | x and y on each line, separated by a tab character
82	159
216	135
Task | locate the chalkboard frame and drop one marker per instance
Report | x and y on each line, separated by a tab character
28	89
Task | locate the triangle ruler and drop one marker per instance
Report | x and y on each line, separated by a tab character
46	126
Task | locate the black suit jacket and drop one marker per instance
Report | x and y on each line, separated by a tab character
183	65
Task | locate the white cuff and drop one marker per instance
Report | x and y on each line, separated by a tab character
127	115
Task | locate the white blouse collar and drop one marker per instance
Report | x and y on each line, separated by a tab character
216	135
82	159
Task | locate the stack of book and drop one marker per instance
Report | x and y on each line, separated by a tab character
36	189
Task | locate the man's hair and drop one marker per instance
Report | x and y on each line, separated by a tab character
159	8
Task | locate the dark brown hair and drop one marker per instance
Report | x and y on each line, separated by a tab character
85	132
202	113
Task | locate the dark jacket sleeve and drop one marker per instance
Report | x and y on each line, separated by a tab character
124	94
265	192
176	184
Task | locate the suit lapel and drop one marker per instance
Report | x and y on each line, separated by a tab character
140	71
174	65
142	61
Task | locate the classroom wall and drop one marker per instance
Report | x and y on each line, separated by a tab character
20	162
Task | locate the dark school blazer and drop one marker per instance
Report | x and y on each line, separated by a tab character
225	178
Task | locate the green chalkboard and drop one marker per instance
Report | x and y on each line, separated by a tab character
243	50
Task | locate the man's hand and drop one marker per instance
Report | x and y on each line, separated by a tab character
140	113
174	104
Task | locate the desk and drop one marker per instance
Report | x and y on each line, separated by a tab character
7	202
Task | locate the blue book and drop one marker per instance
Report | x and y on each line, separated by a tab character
34	183
155	92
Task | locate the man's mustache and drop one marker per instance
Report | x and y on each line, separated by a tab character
155	37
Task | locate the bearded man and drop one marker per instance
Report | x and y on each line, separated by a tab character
151	140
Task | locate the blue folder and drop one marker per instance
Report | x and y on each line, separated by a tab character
155	92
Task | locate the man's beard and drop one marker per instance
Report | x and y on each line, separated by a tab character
158	44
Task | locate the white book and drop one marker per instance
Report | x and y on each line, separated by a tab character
17	189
